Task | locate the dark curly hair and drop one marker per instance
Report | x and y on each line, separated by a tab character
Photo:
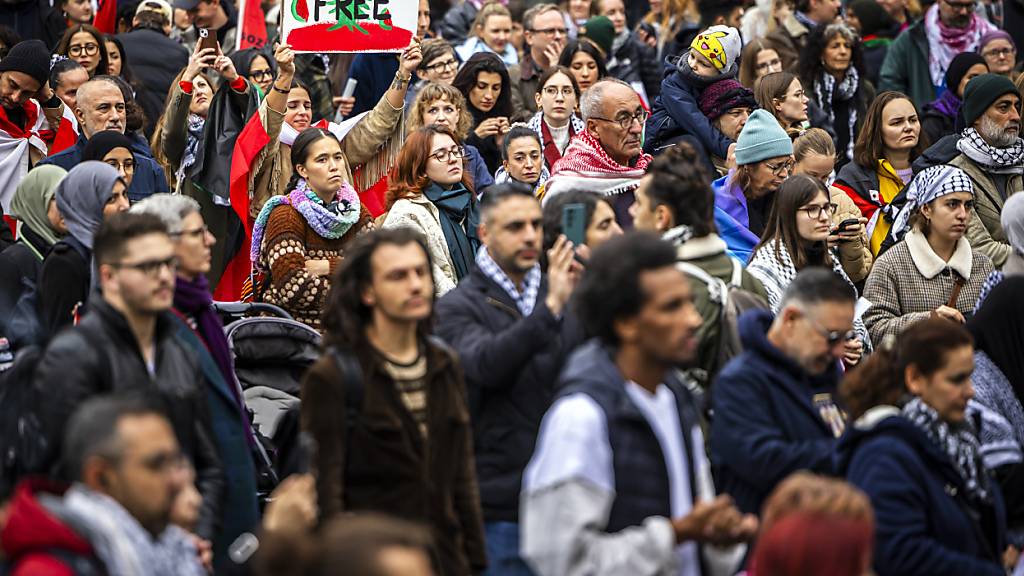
680	182
610	289
810	65
467	77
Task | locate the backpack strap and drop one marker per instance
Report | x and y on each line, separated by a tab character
737	274
352	382
716	288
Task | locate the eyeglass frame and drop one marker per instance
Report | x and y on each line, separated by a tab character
1000	52
83	49
565	91
769	64
832	337
255	76
789	165
442	66
193	233
640	116
128	165
819	208
550	31
445	156
150	268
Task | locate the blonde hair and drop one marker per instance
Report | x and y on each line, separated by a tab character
438	91
488	10
683	10
813	141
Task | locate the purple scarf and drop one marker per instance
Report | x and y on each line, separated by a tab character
948	104
193	299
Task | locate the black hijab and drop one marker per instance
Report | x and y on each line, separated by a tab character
243	61
998	330
103	142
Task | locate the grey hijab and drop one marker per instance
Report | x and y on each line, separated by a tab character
1012	219
81	196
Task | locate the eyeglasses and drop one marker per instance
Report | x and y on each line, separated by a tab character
258	75
551	31
456	153
815	211
773	64
833	337
193	233
151	268
999	53
128	165
553	91
164	462
90	49
960	6
451	63
625	119
777	169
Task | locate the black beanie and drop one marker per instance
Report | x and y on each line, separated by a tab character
873	18
981	92
959	66
29	57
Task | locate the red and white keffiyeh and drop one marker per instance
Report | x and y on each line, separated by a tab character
586	166
15	145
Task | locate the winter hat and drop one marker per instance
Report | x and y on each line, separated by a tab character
873	18
723	96
959	66
30	57
762	138
981	92
601	32
719	44
996	35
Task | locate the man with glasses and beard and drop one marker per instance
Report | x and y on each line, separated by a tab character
774	405
606	157
126	342
992	154
917	60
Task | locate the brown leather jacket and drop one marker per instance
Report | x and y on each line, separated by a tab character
389	469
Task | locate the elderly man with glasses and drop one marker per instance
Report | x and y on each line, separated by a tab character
607	156
917	60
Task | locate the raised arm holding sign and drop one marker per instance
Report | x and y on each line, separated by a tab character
349	25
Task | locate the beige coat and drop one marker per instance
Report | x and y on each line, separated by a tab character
272	167
420	214
854	256
985	231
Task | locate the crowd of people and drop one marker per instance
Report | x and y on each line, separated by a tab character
683	287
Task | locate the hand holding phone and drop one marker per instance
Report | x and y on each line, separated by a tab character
574	223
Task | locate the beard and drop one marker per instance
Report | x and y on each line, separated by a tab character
996	135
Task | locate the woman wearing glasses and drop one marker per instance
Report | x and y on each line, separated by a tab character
932	271
744	196
439	65
257	67
886	146
796	237
85	45
114	149
782	94
556	121
299	238
758	59
1000	53
430	191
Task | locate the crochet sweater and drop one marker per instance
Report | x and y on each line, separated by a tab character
288	243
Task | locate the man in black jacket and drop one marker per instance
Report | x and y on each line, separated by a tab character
155	58
508	322
127	342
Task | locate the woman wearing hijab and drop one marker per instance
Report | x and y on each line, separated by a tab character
91	192
40	227
1012	219
998	379
114	149
932	271
257	67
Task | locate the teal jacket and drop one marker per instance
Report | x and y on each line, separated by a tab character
905	68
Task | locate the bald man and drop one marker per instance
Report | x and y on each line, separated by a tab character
100	106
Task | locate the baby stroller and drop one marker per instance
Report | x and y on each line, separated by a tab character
271	352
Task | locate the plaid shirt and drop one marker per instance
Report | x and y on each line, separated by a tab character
524	300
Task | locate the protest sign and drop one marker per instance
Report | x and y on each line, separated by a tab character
349	25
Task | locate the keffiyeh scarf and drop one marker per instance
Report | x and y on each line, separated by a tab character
194	137
827	91
995	160
958	441
945	42
585	165
525	300
503	177
927	185
330	221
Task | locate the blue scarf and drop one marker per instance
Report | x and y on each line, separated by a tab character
460	216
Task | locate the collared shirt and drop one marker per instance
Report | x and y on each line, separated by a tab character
525	300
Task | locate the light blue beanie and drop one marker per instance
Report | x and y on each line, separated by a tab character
762	138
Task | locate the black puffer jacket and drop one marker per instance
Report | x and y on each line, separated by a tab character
511	365
101	355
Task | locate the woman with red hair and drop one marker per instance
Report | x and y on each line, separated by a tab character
431	190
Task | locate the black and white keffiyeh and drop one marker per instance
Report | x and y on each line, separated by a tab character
827	92
958	441
995	160
525	300
193	137
927	185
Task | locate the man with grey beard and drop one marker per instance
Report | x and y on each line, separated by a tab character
992	154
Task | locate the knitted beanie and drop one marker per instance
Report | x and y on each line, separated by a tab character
981	92
723	96
958	68
873	18
601	32
719	44
762	138
996	35
30	57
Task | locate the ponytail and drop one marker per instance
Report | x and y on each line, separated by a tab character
293	182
